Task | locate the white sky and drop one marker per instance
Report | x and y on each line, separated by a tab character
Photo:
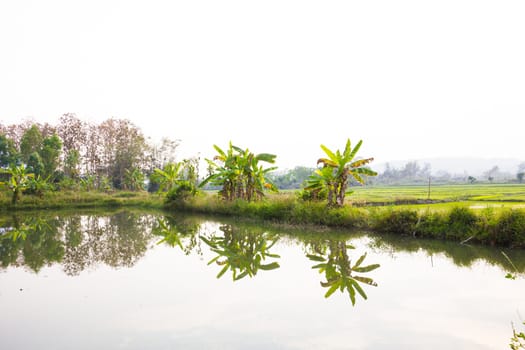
413	79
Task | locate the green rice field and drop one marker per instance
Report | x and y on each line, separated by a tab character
476	196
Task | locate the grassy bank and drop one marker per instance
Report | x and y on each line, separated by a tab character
502	227
81	199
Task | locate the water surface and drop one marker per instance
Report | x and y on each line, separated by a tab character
132	280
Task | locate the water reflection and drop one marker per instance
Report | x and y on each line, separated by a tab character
181	232
77	242
338	270
241	251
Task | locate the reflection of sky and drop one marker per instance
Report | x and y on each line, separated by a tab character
172	301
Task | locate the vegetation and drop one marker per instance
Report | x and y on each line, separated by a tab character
239	173
334	175
80	164
339	271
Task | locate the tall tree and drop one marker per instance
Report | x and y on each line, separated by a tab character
336	171
50	154
30	142
8	152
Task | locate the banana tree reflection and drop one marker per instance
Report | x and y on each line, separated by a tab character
241	251
174	231
339	271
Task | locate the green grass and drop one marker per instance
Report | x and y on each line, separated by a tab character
486	222
455	193
81	199
487	214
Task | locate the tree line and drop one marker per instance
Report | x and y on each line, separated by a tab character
116	155
112	154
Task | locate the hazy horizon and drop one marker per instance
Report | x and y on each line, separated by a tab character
412	79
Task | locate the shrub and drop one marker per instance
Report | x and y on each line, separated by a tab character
462	223
401	222
432	225
312	195
510	229
182	192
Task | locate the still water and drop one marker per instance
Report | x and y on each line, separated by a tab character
131	280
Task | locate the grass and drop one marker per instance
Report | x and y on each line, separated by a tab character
81	199
463	218
450	193
487	214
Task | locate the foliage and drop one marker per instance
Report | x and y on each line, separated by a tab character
30	142
177	180
38	186
336	171
340	273
35	165
168	177
18	181
462	223
182	192
239	173
518	339
241	252
50	155
402	222
291	179
8	153
510	229
318	194
133	180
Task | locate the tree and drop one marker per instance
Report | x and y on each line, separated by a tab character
50	154
291	179
520	176
8	153
336	172
492	173
18	181
122	147
133	180
239	173
31	142
168	177
35	164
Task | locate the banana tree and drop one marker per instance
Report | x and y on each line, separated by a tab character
239	173
340	273
19	180
336	172
133	179
167	177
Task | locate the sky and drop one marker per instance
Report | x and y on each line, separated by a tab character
412	79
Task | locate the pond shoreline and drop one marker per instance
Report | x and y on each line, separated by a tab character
502	227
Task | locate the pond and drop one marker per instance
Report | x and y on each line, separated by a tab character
134	280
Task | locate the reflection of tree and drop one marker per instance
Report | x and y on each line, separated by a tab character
241	251
518	339
76	241
175	232
119	240
32	243
339	271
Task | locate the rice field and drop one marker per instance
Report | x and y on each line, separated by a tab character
475	196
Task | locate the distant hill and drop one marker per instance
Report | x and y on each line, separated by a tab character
460	165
